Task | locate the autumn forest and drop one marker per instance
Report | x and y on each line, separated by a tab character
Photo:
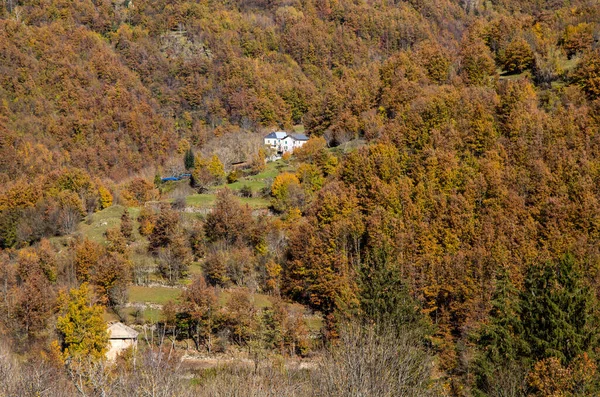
438	234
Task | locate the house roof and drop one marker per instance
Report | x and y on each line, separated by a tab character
121	331
299	137
276	135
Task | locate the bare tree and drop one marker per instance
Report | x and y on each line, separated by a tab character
268	382
157	373
375	361
508	380
28	378
69	219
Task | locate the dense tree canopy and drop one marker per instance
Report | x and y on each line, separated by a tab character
451	183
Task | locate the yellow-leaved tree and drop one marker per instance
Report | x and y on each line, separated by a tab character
105	197
287	192
81	328
216	169
207	172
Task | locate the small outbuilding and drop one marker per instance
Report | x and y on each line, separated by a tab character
120	337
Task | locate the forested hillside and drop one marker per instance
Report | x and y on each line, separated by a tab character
112	86
440	229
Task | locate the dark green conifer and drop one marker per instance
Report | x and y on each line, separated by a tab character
188	159
384	296
558	314
157	180
502	348
501	337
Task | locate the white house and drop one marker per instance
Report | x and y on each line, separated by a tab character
120	337
274	139
284	142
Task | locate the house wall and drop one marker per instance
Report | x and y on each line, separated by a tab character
287	144
271	142
119	345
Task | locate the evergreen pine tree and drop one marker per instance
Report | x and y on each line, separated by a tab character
157	180
188	159
558	311
502	348
501	337
384	296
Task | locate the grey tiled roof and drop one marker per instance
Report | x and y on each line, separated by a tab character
276	135
299	137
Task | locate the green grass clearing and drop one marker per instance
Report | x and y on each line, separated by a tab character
255	185
273	169
348	147
151	315
260	301
255	182
208	201
148	315
194	271
515	76
107	218
158	295
201	200
258	181
256	202
162	295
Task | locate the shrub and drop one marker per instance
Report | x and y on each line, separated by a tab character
233	177
246	191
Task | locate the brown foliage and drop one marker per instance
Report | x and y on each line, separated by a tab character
517	56
126	226
229	221
586	74
199	302
551	379
110	276
87	254
138	191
